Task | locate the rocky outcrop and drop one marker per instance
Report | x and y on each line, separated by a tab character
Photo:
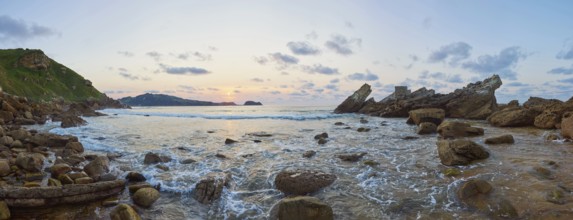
475	101
302	182
36	60
456	129
460	152
354	102
302	208
433	115
513	117
210	187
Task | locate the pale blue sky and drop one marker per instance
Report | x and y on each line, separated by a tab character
300	52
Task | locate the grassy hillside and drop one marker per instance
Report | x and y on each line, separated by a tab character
31	74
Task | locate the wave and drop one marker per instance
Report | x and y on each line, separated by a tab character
295	117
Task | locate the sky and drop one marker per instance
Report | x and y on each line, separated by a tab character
300	52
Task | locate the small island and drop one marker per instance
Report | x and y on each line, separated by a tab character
253	103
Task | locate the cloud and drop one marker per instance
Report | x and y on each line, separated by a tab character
562	70
190	88
261	60
348	24
368	76
516	84
151	91
213	89
283	58
312	36
302	48
568	80
130	76
453	52
334	81
456	78
275	92
342	45
331	87
320	69
197	55
169	91
567	52
19	30
184	70
155	55
213	48
501	64
125	53
237	91
257	80
308	85
116	91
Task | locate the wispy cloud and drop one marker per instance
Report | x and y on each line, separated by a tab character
502	63
320	69
368	76
451	53
342	45
198	56
155	55
567	52
125	74
184	70
455	78
125	53
20	30
562	70
302	48
259	80
312	36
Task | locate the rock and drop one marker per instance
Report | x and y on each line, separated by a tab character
4	211
321	136
547	120
433	115
19	134
354	102
309	154
220	155
302	208
6	141
153	158
552	137
543	173
162	167
253	103
339	124
54	182
302	182
32	162
363	129
452	172
363	121
187	161
110	202
427	128
133	188
77	175
513	117
32	184
322	141
567	125
503	139
455	129
69	121
351	157
472	188
17	144
371	163
124	212
230	141
97	167
211	186
75	146
556	196
460	152
145	197
84	180
65	179
59	169
4	168
107	177
135	177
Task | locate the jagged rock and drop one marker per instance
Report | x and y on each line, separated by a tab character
503	139
455	129
354	102
69	121
124	212
32	162
475	101
433	115
567	125
4	211
460	152
210	187
351	157
426	128
302	208
302	182
145	197
513	117
97	167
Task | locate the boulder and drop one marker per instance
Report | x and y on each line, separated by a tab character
354	102
433	115
309	154
321	136
547	120
472	188
302	208
145	197
75	146
84	180
230	141
19	134
426	128
455	129
32	162
513	117
4	167
503	139
567	125
98	167
6	116
351	157
69	121
4	211
302	182
6	140
135	177
59	169
124	212
460	152
210	187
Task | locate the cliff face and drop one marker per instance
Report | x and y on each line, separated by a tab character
32	74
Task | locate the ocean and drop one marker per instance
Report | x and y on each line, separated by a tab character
408	183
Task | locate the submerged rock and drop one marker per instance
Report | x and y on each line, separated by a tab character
455	129
302	182
460	152
351	157
302	208
354	102
211	186
503	139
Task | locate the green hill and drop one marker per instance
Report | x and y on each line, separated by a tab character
32	74
167	100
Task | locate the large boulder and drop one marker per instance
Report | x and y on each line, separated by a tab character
460	152
433	115
354	102
32	162
456	129
502	139
302	208
97	168
513	117
302	182
211	186
145	197
547	119
124	212
567	125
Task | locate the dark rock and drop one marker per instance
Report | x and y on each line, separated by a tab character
187	161
455	129
72	121
257	141
302	208
302	182
162	167
472	188
552	137
59	169
322	141
460	152
371	163
152	158
4	211
354	102
351	157
427	128
321	136
363	121
222	156
210	187
145	197
230	141
309	154
84	180
503	139
135	177
433	115
363	129
339	124
253	103
407	138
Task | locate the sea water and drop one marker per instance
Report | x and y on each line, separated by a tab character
408	183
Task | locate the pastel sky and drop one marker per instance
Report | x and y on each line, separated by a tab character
299	51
